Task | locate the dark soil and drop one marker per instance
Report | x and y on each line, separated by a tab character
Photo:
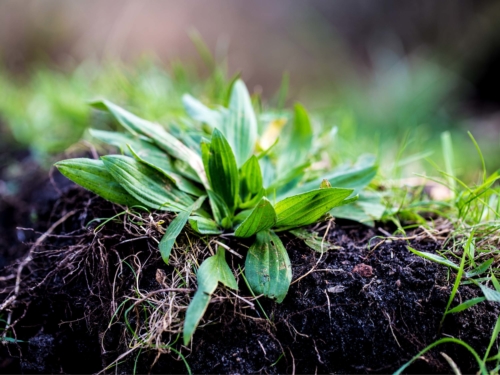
360	310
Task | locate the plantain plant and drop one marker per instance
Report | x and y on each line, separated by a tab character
212	177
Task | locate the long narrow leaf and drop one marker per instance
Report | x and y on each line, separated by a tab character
465	305
251	185
481	364
239	125
149	154
175	228
297	140
220	210
460	273
434	257
146	184
222	170
93	175
203	225
157	134
163	166
482	268
490	294
307	208
200	112
122	140
212	271
354	178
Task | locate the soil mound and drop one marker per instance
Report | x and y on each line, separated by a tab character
86	293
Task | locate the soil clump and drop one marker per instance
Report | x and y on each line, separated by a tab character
366	306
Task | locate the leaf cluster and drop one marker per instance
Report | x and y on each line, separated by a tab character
219	178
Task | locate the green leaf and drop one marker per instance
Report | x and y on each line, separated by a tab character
495	282
483	267
493	340
164	166
261	218
147	185
220	210
149	154
482	367
307	208
434	257
490	294
205	156
222	170
195	312
251	186
312	240
158	164
239	124
287	182
175	228
466	305
241	216
122	140
212	271
296	140
203	225
157	134
267	266
353	178
366	209
200	112
93	175
268	171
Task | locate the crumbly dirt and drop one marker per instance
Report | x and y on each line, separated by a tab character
367	306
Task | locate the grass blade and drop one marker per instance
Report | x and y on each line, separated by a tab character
496	331
490	294
434	257
465	305
448	160
460	272
482	367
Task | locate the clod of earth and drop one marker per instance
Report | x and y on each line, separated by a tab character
363	270
78	308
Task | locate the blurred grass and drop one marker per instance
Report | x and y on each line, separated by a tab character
47	111
397	111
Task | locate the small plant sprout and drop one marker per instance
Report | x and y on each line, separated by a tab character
214	174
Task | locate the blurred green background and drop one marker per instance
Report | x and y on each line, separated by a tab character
388	77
